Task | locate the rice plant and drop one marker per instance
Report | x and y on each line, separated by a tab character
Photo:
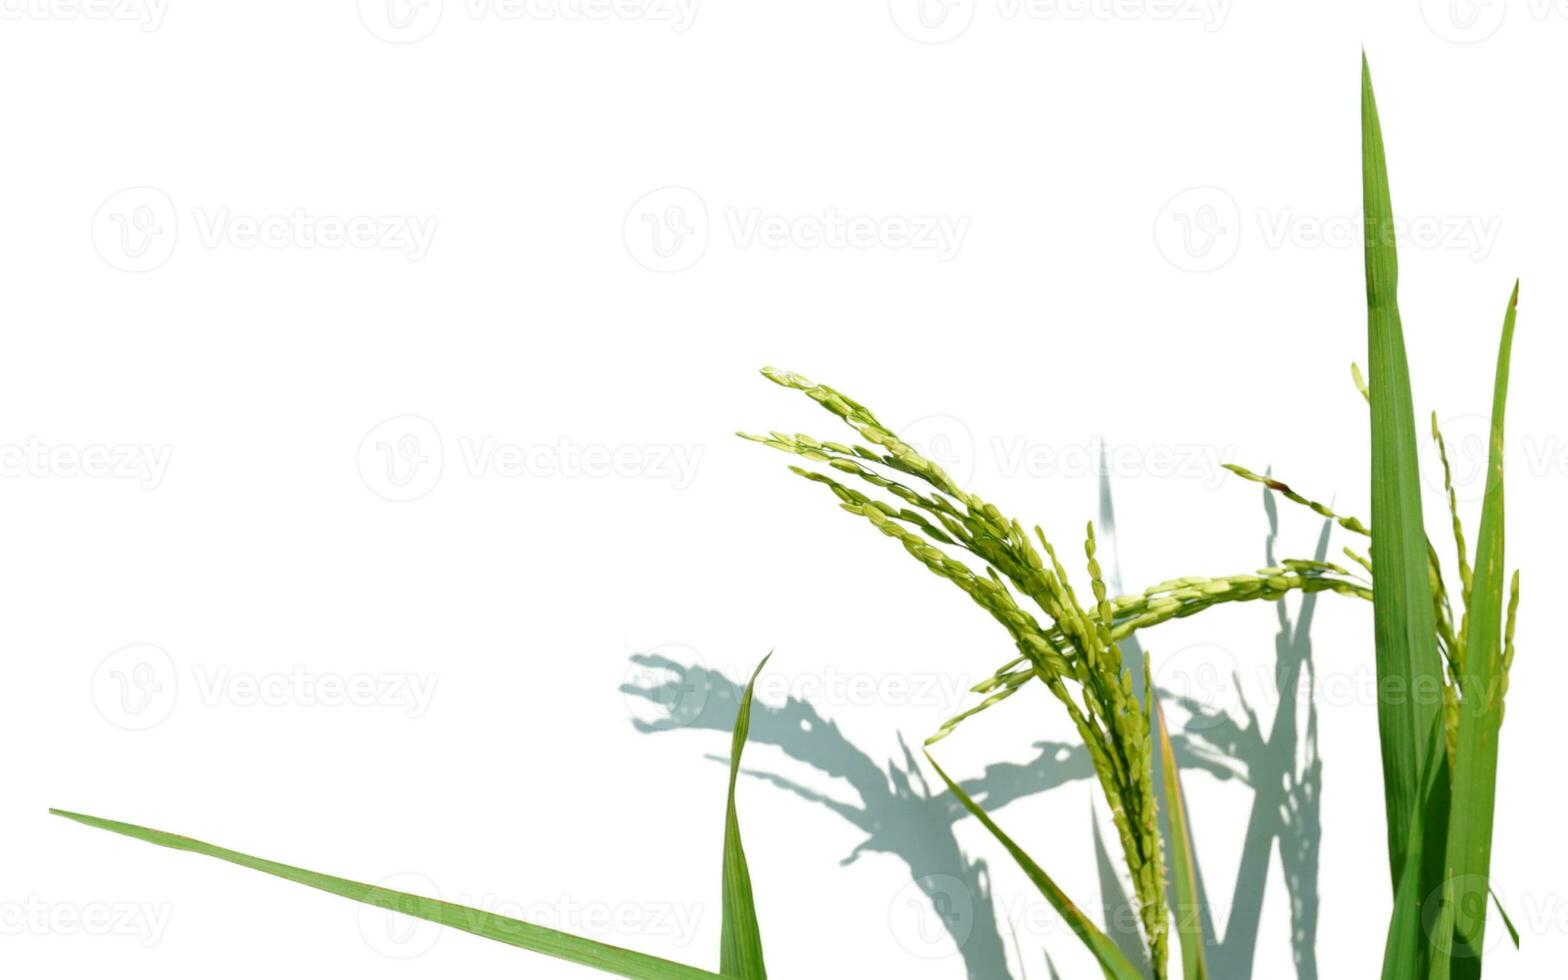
1441	679
1442	653
1075	654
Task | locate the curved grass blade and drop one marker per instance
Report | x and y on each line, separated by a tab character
1507	922
1481	710
1184	878
1409	668
513	932
740	941
1112	961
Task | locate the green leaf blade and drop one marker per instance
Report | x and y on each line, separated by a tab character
513	932
740	942
1111	959
1469	858
1409	666
1407	951
1184	876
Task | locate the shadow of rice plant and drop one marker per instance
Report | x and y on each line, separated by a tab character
899	814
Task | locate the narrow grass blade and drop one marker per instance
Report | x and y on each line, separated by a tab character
740	942
1407	951
1409	667
1508	923
1480	708
513	932
1184	878
1115	965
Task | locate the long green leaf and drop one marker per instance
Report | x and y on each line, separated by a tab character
1409	669
1407	952
1112	961
513	932
740	942
1184	877
1481	706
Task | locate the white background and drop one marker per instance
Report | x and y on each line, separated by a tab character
1075	288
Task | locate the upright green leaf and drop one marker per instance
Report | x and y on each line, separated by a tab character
1184	877
740	941
1112	960
1481	704
1409	668
1407	950
513	932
